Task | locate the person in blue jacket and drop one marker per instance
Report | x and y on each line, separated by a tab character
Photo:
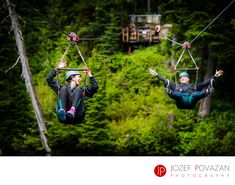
70	106
185	94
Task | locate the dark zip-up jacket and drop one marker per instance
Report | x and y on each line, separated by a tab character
89	91
188	88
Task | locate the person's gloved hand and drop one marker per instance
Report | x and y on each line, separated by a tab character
61	64
219	73
88	71
153	72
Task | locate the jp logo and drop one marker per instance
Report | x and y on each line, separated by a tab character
160	170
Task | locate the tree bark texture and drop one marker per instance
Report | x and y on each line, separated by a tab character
205	104
27	76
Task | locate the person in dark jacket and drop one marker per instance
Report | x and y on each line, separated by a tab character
185	94
70	107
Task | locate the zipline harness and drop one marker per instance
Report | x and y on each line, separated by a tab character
73	39
61	30
187	45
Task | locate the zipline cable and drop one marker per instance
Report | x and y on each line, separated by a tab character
66	51
174	41
213	20
187	45
44	17
99	38
59	28
206	26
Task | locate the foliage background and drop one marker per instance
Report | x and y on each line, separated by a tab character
130	114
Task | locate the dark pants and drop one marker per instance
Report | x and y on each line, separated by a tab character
72	98
187	100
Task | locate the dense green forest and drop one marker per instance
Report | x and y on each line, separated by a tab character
130	114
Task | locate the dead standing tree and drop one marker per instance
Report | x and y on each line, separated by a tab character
27	76
205	104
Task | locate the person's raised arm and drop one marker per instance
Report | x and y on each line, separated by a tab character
91	90
154	73
50	78
165	81
205	83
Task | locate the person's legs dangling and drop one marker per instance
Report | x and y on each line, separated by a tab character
62	104
76	105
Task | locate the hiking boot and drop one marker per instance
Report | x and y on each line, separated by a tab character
71	113
61	115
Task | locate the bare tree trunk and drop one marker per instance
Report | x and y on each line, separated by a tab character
172	60
27	76
205	104
149	6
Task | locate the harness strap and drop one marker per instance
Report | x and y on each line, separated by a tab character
62	58
186	46
84	62
73	38
80	54
178	88
66	51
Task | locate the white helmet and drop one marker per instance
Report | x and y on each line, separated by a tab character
71	73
